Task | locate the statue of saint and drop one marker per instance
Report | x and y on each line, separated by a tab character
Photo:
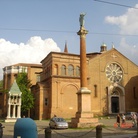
81	19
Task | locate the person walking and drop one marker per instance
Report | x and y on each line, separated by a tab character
123	119
118	120
134	119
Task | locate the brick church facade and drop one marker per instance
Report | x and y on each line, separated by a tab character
111	77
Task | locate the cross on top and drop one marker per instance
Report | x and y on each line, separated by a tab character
113	56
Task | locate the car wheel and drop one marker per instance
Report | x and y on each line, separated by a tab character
50	126
55	127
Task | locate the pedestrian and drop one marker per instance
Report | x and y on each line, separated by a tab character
123	119
118	119
55	115
134	119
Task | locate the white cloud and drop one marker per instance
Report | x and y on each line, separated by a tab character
33	51
128	23
130	50
121	20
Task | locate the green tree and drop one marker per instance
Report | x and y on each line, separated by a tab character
1	84
27	97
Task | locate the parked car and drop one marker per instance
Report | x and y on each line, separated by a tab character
129	115
58	122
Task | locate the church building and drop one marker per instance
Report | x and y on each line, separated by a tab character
106	80
79	85
111	77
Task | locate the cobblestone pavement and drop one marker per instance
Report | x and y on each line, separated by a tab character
109	131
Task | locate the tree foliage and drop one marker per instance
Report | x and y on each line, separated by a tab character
1	84
27	97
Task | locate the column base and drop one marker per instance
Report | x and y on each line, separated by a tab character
83	120
84	116
10	119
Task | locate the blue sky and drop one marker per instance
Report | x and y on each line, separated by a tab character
25	24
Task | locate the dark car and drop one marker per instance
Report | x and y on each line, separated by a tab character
58	122
128	115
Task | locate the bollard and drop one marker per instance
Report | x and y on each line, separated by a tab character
25	128
99	131
1	130
47	133
137	126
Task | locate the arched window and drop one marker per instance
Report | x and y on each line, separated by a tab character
77	71
70	70
56	69
38	78
63	70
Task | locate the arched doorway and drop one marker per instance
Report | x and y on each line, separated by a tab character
115	104
116	99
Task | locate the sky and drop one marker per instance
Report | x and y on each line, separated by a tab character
30	29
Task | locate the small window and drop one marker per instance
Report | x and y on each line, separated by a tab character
95	91
38	78
24	69
46	101
106	90
46	71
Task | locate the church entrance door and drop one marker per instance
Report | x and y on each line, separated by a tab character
115	104
116	99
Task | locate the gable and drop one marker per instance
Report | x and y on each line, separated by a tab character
112	56
14	90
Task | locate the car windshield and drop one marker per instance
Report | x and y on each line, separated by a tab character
128	113
59	119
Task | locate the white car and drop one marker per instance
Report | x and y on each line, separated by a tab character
58	122
128	115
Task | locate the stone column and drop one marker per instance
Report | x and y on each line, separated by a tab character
19	108
84	97
14	106
84	116
9	108
83	62
9	111
18	111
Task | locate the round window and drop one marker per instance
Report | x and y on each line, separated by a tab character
114	72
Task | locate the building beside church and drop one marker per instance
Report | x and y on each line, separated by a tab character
111	77
9	75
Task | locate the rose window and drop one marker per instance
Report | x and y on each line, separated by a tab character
114	72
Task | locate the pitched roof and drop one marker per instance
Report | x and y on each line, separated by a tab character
14	90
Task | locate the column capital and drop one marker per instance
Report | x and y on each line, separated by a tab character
82	32
84	90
